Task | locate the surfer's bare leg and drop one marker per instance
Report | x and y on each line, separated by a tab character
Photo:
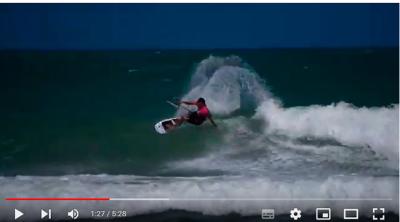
177	122
180	120
169	127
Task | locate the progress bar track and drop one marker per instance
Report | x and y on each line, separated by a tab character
186	199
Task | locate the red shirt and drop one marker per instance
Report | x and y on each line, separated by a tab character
203	112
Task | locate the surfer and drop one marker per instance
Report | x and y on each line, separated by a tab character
195	118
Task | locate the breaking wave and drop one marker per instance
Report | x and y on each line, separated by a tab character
229	84
270	151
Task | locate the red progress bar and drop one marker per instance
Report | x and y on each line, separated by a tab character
57	198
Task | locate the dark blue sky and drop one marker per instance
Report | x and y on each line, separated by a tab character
132	26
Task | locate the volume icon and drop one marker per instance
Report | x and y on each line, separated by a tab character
74	214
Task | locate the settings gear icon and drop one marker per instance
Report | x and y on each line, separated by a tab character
295	214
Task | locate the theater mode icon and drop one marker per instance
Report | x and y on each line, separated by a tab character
323	214
350	214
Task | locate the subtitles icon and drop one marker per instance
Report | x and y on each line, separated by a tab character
323	214
350	214
267	214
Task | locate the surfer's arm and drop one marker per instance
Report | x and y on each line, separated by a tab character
187	102
212	121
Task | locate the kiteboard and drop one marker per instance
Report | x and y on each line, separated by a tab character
164	126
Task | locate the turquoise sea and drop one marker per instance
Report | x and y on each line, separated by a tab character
293	123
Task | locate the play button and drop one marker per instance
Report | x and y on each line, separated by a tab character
17	213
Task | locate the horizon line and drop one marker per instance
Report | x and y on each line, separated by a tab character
193	49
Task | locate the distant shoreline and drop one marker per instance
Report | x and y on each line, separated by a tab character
160	50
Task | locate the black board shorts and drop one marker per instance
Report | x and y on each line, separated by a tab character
195	119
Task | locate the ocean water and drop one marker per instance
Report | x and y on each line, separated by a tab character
294	124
